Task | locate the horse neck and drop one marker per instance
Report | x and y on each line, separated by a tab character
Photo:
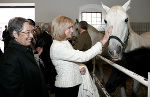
135	41
94	34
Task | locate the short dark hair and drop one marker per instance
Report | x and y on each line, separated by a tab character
83	25
31	22
16	24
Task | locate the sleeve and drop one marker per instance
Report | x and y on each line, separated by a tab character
10	78
66	54
2	46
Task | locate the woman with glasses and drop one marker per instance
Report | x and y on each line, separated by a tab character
20	75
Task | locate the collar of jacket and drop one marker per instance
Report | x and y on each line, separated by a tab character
16	45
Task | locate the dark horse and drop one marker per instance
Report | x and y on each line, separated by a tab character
136	60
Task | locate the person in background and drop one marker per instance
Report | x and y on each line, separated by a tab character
38	32
38	44
37	51
20	75
6	37
44	41
65	58
84	41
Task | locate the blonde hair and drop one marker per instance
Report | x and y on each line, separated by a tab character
59	25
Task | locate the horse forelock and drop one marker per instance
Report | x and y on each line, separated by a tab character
116	11
116	8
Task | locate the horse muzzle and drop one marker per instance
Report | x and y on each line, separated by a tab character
115	53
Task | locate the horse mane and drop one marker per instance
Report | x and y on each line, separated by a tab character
94	29
94	34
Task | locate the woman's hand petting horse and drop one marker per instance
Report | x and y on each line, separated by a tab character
106	36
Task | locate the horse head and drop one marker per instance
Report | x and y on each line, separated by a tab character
118	18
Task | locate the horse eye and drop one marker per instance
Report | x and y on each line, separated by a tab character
126	20
105	21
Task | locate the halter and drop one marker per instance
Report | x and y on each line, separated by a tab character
118	39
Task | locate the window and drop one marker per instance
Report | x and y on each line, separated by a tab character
10	10
93	18
94	15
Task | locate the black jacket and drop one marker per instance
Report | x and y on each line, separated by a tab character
45	40
20	75
1	52
6	38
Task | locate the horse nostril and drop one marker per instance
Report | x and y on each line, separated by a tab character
119	49
110	52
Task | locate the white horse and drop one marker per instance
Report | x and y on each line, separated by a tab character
123	38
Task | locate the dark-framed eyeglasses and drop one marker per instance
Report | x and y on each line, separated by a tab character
28	32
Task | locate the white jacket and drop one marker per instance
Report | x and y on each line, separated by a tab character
63	57
88	87
2	46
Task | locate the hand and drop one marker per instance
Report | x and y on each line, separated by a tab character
106	36
82	71
39	50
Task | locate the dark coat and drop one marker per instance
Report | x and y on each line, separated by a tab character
20	75
6	38
1	52
45	40
84	43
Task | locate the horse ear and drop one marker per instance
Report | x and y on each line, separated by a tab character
105	7
126	6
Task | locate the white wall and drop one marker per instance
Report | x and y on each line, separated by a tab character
46	10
